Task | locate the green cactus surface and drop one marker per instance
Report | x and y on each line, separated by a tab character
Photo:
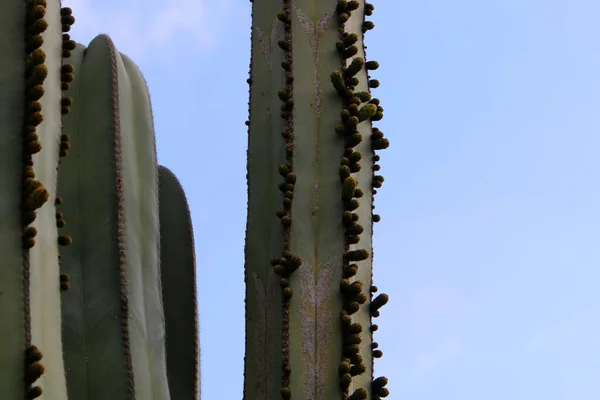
84	255
179	288
311	179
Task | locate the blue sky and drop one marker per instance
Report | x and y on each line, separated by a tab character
488	243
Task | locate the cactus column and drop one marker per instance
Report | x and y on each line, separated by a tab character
32	79
113	324
311	179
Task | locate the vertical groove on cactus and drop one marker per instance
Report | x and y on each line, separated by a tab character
178	272
286	95
316	235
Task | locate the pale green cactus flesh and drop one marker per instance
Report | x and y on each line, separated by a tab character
311	139
178	271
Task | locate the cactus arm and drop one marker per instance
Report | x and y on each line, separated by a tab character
142	234
178	271
121	339
12	330
44	268
95	314
264	239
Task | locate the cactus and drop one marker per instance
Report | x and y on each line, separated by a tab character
96	272
312	163
97	278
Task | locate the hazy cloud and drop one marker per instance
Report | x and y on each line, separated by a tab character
140	28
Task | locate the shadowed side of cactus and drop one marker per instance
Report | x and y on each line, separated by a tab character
113	323
311	178
178	271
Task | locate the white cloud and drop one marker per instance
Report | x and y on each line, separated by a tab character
141	28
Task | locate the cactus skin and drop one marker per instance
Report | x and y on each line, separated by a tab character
312	337
30	86
82	302
109	184
178	271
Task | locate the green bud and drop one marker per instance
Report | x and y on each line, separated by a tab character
366	112
355	66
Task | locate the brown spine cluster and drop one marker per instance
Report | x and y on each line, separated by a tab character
33	370
288	262
66	77
66	73
33	194
344	82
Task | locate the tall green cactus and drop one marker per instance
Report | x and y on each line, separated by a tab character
311	161
128	326
127	252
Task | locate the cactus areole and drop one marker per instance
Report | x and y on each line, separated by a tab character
311	184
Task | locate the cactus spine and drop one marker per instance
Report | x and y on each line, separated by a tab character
77	122
312	163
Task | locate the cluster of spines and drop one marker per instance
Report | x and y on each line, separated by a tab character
33	194
66	74
344	81
66	77
33	370
288	262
